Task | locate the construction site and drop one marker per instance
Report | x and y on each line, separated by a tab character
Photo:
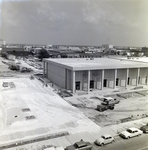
35	113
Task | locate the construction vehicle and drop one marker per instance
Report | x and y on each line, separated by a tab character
110	101
14	67
103	107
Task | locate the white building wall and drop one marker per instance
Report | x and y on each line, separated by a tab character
133	81
82	76
79	77
95	75
109	75
143	75
69	80
121	75
56	74
122	82
133	72
142	80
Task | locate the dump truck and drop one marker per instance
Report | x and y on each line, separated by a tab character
103	107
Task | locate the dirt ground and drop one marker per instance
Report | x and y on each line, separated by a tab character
132	104
53	114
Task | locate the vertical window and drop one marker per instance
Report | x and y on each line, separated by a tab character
117	81
128	81
105	83
78	85
139	80
92	84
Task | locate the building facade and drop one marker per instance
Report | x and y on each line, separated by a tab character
86	74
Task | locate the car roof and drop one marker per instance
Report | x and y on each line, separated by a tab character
107	135
133	128
108	98
81	143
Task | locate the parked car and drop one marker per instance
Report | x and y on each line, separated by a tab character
81	145
130	132
54	148
105	139
144	128
110	100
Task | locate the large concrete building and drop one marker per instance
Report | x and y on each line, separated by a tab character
95	73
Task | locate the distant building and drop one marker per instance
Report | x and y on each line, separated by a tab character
107	46
135	53
73	54
12	49
145	51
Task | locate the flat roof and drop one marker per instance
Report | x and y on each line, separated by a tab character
97	63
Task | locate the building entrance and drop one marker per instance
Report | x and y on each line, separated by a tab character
139	80
117	81
78	85
105	83
128	81
92	84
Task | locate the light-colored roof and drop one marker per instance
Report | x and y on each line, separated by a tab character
106	135
133	128
96	63
108	98
50	148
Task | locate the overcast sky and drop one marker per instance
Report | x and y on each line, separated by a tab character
75	22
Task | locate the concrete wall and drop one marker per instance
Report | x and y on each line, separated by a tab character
82	76
143	75
133	72
121	75
7	49
96	75
56	74
109	74
79	76
69	79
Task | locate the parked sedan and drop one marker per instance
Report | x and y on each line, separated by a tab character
105	139
144	128
130	132
80	145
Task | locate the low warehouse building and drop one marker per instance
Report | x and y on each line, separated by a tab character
95	73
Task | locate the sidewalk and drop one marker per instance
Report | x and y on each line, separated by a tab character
86	136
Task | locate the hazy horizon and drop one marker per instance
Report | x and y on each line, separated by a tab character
75	22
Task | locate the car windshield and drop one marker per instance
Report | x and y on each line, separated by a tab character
103	137
128	130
